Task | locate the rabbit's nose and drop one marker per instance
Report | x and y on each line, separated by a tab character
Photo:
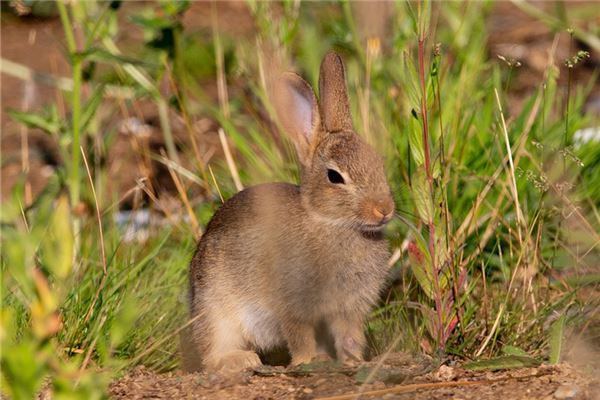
384	210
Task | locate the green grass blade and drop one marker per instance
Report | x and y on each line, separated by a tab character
556	340
503	362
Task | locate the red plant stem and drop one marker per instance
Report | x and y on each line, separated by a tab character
424	112
436	283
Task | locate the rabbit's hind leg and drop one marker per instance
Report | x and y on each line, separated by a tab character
235	360
228	350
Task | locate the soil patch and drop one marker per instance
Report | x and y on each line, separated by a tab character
400	376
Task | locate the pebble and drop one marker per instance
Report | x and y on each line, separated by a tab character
445	373
307	390
566	392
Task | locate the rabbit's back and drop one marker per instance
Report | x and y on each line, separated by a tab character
243	235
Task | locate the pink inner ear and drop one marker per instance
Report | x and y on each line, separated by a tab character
302	114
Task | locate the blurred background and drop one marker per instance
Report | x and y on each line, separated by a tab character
126	124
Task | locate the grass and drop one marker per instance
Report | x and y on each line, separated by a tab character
497	228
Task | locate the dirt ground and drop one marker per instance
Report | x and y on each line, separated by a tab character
400	376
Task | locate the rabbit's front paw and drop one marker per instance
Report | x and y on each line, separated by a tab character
351	351
237	360
304	358
308	359
301	342
349	340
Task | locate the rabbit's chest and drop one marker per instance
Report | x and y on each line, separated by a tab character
332	274
347	285
260	325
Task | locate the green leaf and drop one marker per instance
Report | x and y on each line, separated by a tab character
317	367
413	91
57	245
503	362
104	56
89	111
420	263
23	369
514	351
423	18
415	140
18	254
48	123
442	256
422	197
151	23
123	322
556	340
420	259
175	7
91	385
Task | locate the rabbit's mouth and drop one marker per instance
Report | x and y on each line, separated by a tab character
372	227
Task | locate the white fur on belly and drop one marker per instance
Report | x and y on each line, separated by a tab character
260	327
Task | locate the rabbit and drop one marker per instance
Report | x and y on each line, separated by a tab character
298	266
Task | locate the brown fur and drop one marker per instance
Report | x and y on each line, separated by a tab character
278	261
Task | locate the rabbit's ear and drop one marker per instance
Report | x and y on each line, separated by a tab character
298	112
335	106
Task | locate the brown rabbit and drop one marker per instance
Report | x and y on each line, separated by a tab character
297	266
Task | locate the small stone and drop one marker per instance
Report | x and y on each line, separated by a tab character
566	392
307	390
445	373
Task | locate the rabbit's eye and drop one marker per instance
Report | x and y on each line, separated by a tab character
334	176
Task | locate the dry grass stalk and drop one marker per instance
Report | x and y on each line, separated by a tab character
88	314
216	184
184	198
520	219
230	162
